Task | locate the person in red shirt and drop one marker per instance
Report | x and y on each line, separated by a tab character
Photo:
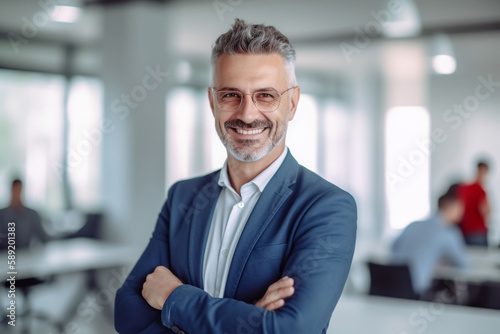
476	208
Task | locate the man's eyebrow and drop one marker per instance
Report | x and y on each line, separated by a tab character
264	88
255	90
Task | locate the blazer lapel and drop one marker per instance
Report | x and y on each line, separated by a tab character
275	193
204	204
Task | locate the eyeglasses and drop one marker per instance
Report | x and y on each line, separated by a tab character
266	100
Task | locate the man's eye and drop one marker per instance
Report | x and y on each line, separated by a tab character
230	95
265	96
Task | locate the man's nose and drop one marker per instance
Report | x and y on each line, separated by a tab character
248	111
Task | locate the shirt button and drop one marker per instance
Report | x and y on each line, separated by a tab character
241	205
224	252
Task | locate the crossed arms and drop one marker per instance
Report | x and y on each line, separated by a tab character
154	300
161	282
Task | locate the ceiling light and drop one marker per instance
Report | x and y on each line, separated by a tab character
68	14
443	55
444	64
405	22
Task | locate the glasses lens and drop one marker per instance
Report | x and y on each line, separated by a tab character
267	100
228	100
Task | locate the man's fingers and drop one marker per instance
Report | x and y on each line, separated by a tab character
160	269
282	283
276	294
282	293
275	305
272	297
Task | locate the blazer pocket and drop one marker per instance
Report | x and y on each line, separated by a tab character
268	252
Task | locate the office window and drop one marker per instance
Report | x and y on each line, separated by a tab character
32	138
181	116
407	163
84	141
302	136
191	146
218	153
336	144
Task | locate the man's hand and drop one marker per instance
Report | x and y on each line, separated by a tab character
158	286
276	294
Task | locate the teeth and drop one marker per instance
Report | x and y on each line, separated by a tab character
253	132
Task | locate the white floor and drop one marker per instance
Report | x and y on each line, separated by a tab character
378	315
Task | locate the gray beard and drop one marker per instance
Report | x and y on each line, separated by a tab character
246	154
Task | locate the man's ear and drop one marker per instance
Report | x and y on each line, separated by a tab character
294	101
211	99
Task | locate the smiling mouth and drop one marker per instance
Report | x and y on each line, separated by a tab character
249	132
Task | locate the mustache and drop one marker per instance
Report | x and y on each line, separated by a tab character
258	123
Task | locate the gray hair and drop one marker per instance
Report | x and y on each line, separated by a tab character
245	38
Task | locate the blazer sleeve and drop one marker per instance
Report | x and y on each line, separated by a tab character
319	263
132	313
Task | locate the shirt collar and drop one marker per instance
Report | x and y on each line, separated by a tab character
260	180
439	219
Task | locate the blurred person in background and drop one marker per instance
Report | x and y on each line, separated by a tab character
262	245
474	223
423	245
28	225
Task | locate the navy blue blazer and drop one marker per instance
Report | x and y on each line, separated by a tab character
302	226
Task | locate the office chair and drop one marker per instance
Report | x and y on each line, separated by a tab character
485	295
91	229
391	280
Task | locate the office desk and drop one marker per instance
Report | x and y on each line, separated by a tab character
484	256
484	265
378	315
67	256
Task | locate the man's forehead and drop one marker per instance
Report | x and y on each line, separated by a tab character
269	57
231	69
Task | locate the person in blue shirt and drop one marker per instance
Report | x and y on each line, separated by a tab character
424	244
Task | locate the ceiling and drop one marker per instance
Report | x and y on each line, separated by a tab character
315	27
300	19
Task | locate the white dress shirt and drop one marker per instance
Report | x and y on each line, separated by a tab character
229	219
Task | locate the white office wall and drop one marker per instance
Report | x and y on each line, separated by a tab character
136	76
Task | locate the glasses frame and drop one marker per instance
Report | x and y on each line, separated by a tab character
214	91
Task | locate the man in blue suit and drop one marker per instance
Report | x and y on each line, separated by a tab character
262	245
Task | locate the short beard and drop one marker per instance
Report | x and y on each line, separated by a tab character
247	153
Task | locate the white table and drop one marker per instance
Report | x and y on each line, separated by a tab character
71	255
484	265
60	257
484	256
378	315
